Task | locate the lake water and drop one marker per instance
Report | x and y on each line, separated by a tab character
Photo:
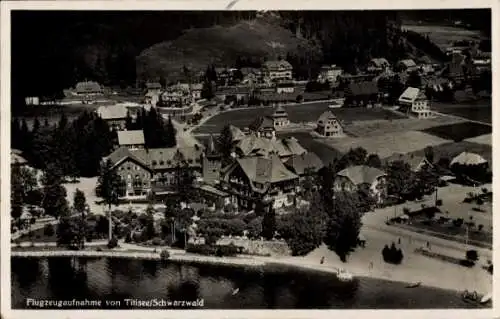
276	287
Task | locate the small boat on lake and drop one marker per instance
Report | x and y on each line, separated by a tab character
475	298
344	275
414	285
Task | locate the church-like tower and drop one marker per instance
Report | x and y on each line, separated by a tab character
212	163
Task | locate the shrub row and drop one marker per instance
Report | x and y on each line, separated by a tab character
214	250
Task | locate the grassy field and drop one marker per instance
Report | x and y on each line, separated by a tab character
381	127
476	111
296	113
220	45
387	144
444	36
459	131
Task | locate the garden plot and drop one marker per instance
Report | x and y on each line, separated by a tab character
387	144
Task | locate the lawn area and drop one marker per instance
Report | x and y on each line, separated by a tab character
444	36
451	150
380	127
485	139
296	113
387	144
474	110
459	131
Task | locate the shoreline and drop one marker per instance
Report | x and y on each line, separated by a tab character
246	261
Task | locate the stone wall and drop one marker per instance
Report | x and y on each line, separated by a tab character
259	247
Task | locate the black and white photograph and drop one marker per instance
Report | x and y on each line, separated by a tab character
249	159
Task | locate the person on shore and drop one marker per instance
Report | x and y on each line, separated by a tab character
371	265
322	260
399	241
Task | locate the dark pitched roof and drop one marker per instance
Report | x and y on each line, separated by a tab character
415	161
299	164
260	123
327	115
265	170
131	137
361	174
88	87
158	158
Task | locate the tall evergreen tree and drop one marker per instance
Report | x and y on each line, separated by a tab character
109	187
170	134
54	194
269	224
225	144
16	192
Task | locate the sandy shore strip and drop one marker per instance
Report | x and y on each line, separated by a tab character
436	279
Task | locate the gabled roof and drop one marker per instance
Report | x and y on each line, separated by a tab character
153	86
112	112
261	123
236	133
158	158
279	64
415	161
265	170
299	164
253	145
280	112
361	174
327	115
131	137
409	95
87	87
466	158
379	62
409	63
17	158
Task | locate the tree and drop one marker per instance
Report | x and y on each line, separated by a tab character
54	200
429	154
344	224
108	188
303	230
17	192
269	225
356	156
373	161
170	134
225	144
68	233
79	204
207	90
400	179
79	201
414	80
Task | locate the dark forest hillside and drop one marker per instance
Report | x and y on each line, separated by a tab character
52	50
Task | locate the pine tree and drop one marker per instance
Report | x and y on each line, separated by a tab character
170	134
109	187
15	129
225	144
269	225
54	194
16	192
79	201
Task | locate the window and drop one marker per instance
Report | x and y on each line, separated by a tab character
162	162
154	163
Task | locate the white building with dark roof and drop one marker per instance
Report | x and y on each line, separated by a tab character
277	70
414	102
328	125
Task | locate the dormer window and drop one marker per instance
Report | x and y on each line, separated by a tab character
162	162
169	162
154	163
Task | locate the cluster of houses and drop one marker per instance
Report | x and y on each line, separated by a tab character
263	167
